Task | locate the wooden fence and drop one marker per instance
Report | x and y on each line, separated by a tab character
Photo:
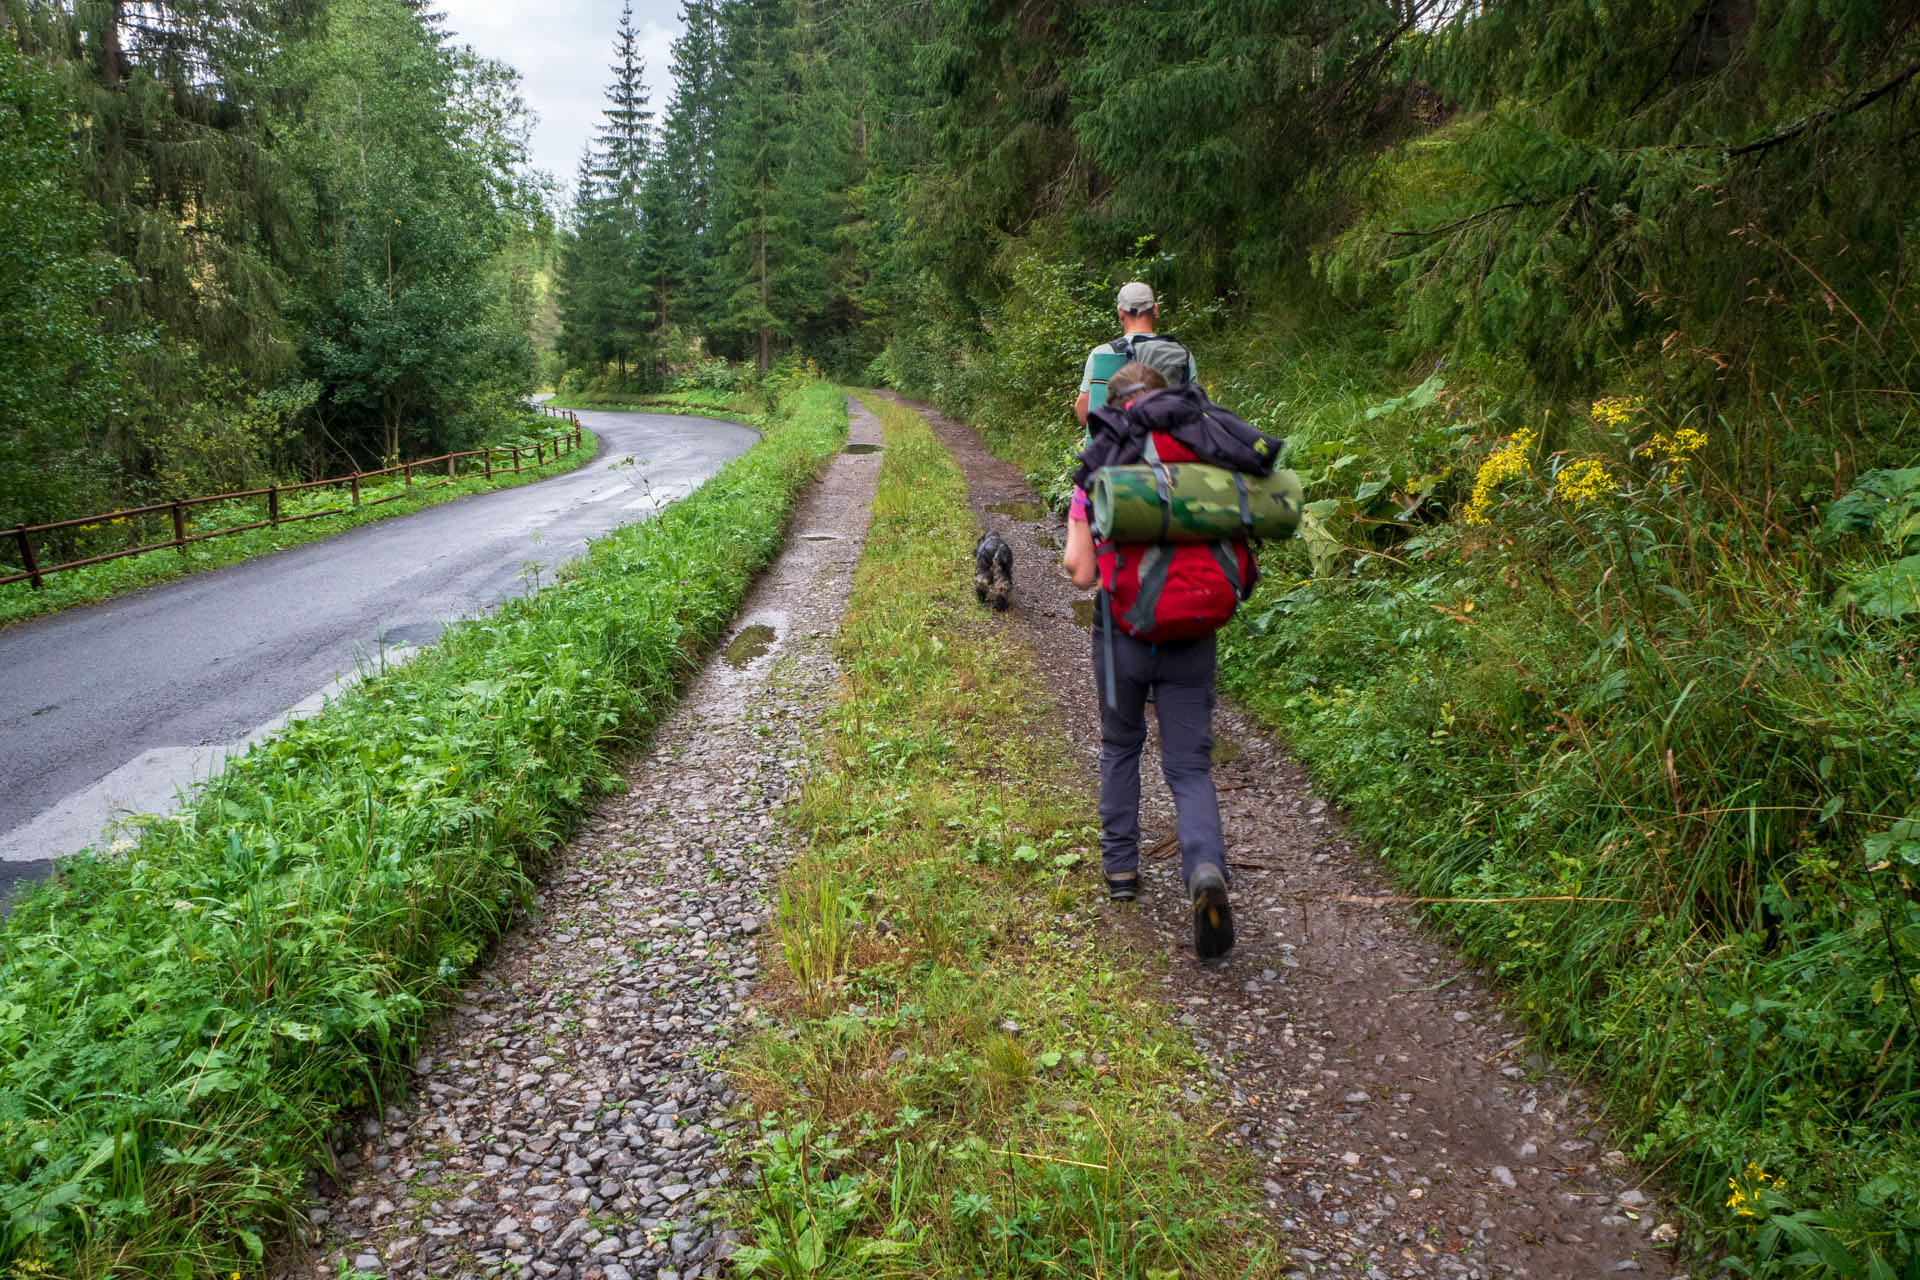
536	454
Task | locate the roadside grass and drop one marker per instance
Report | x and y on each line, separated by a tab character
97	582
964	1076
702	399
183	1029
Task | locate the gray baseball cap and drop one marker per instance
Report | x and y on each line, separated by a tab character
1136	297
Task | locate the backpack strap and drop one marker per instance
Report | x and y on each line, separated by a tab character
1246	506
1121	346
1227	556
1106	621
1160	482
1155	561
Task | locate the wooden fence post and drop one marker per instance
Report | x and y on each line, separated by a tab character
539	453
516	459
27	561
273	505
406	469
486	457
354	481
449	466
180	525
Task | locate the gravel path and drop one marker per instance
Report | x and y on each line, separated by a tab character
1406	1125
564	1120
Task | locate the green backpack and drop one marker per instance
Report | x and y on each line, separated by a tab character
1156	351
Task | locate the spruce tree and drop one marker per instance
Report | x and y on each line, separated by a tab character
625	137
751	150
59	370
687	151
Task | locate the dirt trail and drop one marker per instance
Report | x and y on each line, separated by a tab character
1406	1126
564	1120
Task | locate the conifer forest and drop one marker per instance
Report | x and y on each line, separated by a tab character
1590	332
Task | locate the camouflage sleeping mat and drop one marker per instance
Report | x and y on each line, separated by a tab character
1193	502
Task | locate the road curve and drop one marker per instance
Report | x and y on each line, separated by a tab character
107	710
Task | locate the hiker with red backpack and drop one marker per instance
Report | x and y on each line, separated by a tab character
1161	602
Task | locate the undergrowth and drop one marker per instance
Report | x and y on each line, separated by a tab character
632	402
1564	653
93	583
965	1078
183	1028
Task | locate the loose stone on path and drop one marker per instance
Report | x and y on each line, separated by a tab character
565	1120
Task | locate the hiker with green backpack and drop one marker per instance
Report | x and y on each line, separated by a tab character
1170	490
1139	312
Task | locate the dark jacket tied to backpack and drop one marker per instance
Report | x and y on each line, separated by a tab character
1213	435
1165	591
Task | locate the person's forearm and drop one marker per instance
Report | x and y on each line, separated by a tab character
1080	408
1082	565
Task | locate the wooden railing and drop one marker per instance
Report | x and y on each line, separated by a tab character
538	453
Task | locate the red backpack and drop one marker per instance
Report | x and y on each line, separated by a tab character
1162	591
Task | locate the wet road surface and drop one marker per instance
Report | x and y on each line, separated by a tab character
108	710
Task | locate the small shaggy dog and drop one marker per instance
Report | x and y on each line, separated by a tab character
993	570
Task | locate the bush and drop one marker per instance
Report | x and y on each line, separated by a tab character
1664	741
181	1029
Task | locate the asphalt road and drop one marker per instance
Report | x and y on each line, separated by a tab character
108	710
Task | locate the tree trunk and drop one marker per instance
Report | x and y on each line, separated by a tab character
765	336
111	54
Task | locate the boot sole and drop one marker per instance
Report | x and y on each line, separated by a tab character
1212	922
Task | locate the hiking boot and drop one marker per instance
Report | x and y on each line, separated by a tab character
1123	890
1212	916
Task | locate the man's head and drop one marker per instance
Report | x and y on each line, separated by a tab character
1131	380
1137	308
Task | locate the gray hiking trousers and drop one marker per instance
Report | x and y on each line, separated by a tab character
1181	678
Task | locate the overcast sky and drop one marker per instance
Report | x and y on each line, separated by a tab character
562	49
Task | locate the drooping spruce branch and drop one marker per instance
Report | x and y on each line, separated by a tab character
1825	116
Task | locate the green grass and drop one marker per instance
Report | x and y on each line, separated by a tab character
183	1028
700	400
96	582
969	1075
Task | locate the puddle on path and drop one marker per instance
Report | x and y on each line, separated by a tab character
819	537
1083	612
1019	510
861	448
751	643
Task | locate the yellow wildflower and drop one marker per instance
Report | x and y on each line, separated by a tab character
1746	1187
1613	412
1508	462
1678	447
1582	483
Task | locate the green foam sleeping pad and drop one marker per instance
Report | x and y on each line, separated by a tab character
1193	502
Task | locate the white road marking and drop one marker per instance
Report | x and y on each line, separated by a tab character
109	814
655	499
602	496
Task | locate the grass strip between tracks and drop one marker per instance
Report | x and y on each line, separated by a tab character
964	1076
182	1029
72	588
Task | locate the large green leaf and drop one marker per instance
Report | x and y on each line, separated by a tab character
1891	591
